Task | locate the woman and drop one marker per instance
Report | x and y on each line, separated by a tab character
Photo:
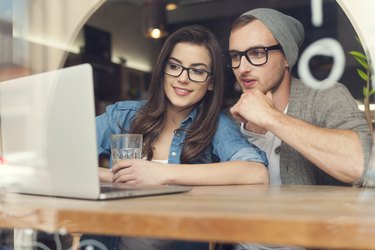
181	123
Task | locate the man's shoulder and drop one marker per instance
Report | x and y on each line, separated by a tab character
301	94
298	86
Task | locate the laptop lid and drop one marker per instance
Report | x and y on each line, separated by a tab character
49	136
48	133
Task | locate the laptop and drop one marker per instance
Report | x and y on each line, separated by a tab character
48	137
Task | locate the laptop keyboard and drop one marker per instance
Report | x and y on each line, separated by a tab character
109	189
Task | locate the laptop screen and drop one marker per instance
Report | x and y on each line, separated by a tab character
48	133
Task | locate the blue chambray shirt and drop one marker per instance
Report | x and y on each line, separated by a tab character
228	143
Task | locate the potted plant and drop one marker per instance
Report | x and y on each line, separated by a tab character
364	72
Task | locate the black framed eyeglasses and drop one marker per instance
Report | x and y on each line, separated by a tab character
194	74
256	56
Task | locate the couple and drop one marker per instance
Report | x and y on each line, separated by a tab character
309	136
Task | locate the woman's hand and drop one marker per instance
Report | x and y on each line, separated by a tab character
140	172
105	175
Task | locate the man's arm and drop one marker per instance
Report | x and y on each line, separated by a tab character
337	152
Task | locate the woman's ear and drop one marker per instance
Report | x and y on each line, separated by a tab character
211	87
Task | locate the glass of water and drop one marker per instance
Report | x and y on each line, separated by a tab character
126	146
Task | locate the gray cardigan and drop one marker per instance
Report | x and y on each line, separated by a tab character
331	108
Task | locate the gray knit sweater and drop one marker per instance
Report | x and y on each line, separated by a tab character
331	108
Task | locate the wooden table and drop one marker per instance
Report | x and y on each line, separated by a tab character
309	216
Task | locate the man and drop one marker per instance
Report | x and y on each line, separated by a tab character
310	136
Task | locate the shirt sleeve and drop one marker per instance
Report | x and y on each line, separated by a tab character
251	136
229	144
337	109
116	120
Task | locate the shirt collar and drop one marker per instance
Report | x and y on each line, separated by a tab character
192	115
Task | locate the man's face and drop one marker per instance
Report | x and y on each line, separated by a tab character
264	77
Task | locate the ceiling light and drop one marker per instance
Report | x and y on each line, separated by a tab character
171	6
156	33
154	18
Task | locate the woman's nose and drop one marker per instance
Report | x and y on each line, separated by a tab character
184	77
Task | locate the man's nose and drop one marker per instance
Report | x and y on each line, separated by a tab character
245	65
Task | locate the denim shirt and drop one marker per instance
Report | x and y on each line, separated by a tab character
228	143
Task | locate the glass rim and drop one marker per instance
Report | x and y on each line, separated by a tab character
121	135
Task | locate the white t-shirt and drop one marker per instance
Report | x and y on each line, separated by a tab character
270	144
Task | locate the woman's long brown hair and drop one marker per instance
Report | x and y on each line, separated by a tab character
150	119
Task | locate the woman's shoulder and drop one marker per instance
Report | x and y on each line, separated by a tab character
125	106
226	119
121	112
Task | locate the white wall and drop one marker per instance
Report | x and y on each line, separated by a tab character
44	29
361	15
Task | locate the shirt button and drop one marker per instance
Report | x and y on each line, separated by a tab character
173	154
176	132
278	150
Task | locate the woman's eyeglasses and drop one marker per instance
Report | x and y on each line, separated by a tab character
195	75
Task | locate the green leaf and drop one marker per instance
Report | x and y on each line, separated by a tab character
365	92
371	92
366	76
361	58
362	74
358	54
362	62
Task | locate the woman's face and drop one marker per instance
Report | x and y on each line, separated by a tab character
182	91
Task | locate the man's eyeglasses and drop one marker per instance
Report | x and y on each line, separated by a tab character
195	75
256	56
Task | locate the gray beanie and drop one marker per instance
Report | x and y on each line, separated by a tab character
287	30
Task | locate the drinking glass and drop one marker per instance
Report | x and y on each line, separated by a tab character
126	146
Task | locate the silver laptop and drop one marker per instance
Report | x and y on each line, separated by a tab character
48	138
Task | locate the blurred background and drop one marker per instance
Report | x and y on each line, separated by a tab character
122	38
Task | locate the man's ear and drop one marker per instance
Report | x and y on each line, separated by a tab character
286	64
211	87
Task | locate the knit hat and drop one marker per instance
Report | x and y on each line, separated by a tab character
287	30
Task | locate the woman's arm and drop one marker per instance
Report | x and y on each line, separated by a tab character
142	172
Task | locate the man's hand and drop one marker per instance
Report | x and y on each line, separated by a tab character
255	109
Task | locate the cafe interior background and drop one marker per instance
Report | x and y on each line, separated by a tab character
114	37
